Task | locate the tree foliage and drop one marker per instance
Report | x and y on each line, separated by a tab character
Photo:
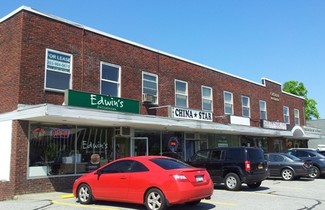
299	89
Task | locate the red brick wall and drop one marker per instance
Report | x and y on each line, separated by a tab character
89	49
10	51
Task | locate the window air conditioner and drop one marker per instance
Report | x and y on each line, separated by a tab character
122	131
148	98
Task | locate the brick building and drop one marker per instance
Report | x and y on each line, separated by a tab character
69	91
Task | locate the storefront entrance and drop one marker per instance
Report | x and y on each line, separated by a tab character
193	146
126	146
139	146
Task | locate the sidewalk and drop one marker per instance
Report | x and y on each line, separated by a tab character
44	196
34	201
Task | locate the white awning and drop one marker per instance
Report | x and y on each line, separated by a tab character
92	117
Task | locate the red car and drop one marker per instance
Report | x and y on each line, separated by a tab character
155	181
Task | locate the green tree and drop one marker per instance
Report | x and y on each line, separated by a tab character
299	89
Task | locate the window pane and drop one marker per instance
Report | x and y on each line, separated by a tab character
149	77
109	88
110	73
148	84
245	112
245	101
228	109
181	87
181	101
207	105
57	80
206	92
228	97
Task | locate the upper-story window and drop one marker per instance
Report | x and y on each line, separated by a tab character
58	70
149	87
110	79
297	118
263	112
181	94
246	110
207	103
228	103
286	116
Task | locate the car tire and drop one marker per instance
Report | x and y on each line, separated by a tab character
193	203
232	182
155	200
85	195
316	173
254	185
287	174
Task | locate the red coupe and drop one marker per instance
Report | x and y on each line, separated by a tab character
155	181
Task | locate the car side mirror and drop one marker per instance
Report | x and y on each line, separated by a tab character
99	172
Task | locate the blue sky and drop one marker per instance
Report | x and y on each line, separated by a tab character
281	40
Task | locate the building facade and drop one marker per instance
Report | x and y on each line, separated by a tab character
69	91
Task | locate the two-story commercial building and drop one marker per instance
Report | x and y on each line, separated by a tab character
69	91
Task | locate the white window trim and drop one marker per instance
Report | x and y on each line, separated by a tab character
210	98
186	92
232	103
154	75
71	69
259	104
248	106
286	115
116	82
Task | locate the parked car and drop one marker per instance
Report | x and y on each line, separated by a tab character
322	152
288	166
233	166
312	155
155	181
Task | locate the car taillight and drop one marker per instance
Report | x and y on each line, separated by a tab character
178	177
247	165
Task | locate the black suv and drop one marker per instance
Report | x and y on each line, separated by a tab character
311	155
233	166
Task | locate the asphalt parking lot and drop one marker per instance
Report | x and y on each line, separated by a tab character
273	194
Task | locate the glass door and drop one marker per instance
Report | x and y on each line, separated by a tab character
121	147
193	146
139	146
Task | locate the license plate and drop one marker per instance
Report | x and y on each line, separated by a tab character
199	179
260	166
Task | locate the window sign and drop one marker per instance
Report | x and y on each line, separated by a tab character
97	101
58	70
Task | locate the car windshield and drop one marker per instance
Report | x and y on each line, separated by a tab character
169	164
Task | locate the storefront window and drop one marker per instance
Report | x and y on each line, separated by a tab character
59	150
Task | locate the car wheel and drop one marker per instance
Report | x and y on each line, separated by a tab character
315	173
84	194
232	182
287	174
193	203
155	200
254	185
